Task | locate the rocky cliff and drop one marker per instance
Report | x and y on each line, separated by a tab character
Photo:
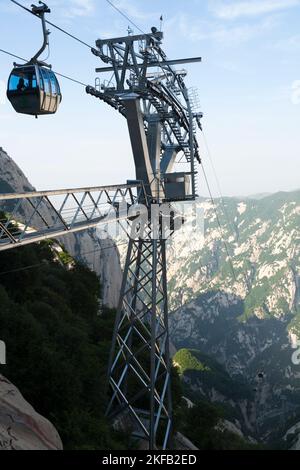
240	303
98	253
263	246
21	427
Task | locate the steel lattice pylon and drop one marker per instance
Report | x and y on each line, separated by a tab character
139	369
162	122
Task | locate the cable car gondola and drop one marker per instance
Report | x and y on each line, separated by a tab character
33	87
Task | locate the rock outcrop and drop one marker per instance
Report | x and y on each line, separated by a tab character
21	427
183	443
292	437
262	238
99	253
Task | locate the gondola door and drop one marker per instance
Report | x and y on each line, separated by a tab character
46	94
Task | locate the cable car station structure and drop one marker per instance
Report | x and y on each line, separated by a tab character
162	121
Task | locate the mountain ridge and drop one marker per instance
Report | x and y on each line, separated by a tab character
248	320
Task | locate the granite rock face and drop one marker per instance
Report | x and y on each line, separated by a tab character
21	427
90	247
235	295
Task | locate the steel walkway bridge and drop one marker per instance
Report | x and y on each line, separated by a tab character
35	216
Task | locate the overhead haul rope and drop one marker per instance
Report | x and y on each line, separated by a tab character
57	73
72	35
225	212
54	26
229	221
125	16
84	43
219	223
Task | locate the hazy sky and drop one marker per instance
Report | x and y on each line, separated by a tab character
251	62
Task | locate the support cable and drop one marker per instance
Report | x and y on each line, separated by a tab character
219	223
234	230
124	15
54	25
229	221
57	73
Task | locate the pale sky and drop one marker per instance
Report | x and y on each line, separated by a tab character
248	84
